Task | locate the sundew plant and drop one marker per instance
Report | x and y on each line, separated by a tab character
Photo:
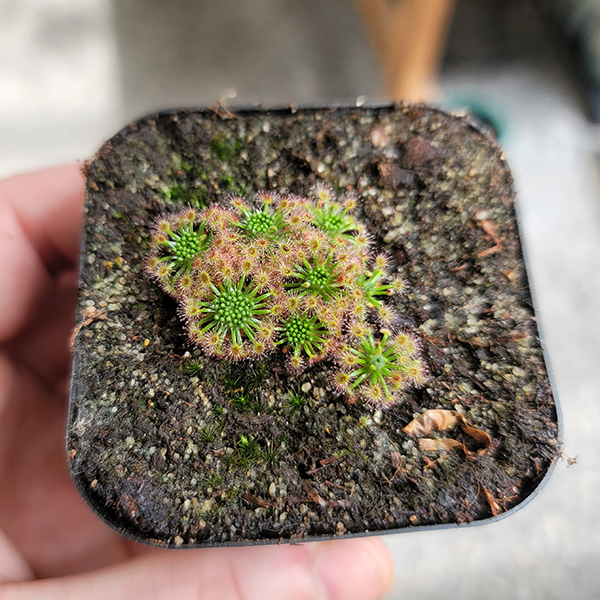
290	274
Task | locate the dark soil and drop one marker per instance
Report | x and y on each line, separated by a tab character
155	436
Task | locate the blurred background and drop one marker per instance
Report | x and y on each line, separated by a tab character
72	72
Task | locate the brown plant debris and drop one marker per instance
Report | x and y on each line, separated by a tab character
494	505
490	229
80	326
446	420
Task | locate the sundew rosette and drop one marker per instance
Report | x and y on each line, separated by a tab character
291	273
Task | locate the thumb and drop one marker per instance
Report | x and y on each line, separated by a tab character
358	569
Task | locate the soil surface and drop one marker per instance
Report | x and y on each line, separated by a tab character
177	449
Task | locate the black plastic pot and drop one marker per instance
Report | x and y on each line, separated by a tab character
155	425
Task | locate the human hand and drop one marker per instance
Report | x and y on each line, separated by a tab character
46	530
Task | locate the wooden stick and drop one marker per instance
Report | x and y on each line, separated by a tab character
409	36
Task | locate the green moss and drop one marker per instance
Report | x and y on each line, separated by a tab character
341	453
233	492
297	400
214	481
196	196
249	451
270	453
230	184
192	367
242	377
234	375
247	402
210	433
199	197
364	421
257	374
214	514
224	147
176	192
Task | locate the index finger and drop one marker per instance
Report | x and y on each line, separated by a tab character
40	227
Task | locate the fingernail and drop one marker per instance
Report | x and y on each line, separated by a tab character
358	569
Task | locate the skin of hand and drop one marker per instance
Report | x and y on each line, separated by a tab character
51	544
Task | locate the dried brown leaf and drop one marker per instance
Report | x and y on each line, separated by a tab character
433	420
314	497
391	175
432	445
489	251
481	437
490	229
255	501
417	151
78	328
445	420
494	505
